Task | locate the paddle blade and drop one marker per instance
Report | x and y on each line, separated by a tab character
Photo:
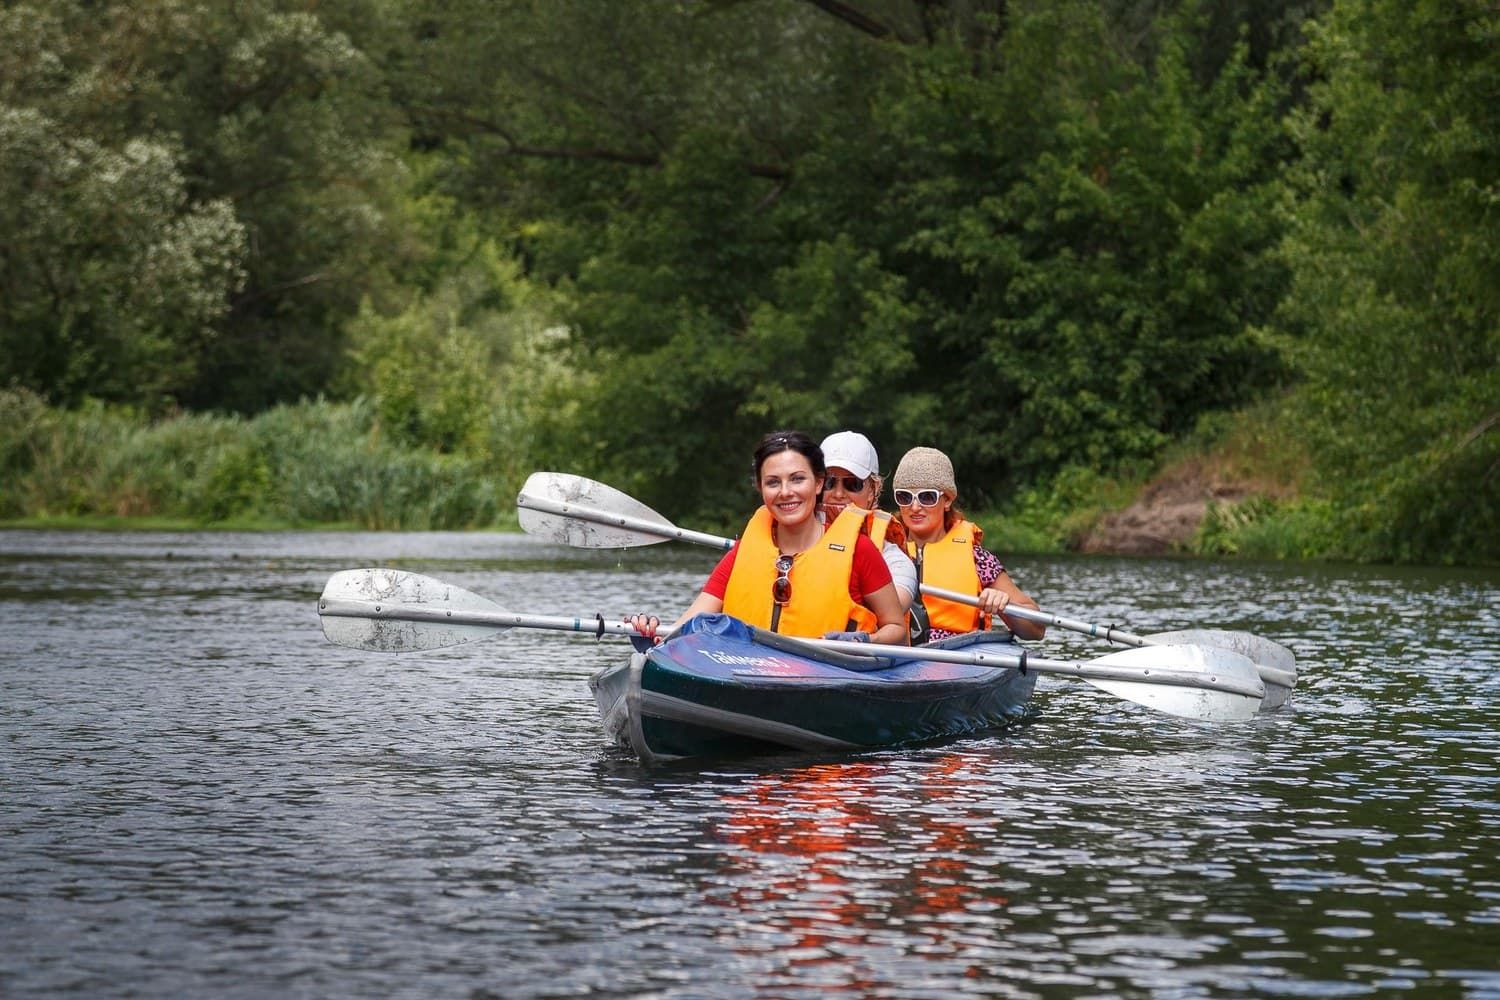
1186	701
1275	663
589	496
355	601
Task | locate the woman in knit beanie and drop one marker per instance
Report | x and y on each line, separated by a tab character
948	553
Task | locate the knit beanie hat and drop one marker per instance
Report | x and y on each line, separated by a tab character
925	468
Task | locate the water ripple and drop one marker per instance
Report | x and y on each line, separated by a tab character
203	796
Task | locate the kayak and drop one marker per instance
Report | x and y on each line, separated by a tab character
722	688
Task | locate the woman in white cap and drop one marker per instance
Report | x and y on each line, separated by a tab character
948	553
854	481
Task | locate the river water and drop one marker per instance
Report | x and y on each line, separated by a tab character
199	795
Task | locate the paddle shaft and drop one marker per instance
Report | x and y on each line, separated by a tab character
1108	632
500	620
564	509
1268	674
1084	671
600	627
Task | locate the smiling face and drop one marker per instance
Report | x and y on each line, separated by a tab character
839	497
925	524
789	488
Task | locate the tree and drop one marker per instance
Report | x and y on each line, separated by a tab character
272	119
1394	313
1088	240
991	229
113	279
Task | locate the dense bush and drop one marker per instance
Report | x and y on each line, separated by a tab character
313	463
1393	319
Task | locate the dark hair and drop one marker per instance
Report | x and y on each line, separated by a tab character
779	441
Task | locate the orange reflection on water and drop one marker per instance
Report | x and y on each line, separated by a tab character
824	859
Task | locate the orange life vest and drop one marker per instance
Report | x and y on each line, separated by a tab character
820	579
949	563
878	525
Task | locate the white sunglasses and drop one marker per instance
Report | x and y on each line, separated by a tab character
922	498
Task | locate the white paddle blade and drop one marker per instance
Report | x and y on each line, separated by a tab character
1276	664
590	496
354	600
1184	700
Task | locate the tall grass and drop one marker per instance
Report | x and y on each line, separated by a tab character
311	463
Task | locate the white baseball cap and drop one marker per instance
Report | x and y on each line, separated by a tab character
850	450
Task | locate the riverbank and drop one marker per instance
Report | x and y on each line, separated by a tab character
1165	520
1241	485
1170	512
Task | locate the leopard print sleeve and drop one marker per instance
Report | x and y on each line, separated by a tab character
988	565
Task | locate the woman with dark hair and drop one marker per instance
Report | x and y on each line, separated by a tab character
948	553
790	574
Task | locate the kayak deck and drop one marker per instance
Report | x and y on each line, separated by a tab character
722	688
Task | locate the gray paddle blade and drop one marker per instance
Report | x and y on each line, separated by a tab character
1182	700
1275	663
591	504
355	604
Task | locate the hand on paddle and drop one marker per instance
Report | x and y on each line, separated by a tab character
992	601
646	626
1003	595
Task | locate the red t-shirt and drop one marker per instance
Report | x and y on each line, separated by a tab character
869	572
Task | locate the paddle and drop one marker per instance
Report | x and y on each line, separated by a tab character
395	611
1277	678
588	514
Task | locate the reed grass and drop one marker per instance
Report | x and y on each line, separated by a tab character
313	463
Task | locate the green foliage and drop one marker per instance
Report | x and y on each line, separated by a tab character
1093	242
112	282
1223	523
283	115
1394	316
1057	514
236	482
468	365
25	418
429	376
314	463
1004	221
1262	528
194	196
628	238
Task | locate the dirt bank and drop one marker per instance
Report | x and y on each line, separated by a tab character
1166	515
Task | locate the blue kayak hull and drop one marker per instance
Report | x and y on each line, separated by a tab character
721	688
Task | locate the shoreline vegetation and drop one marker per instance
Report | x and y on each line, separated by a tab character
1233	490
1177	277
314	463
